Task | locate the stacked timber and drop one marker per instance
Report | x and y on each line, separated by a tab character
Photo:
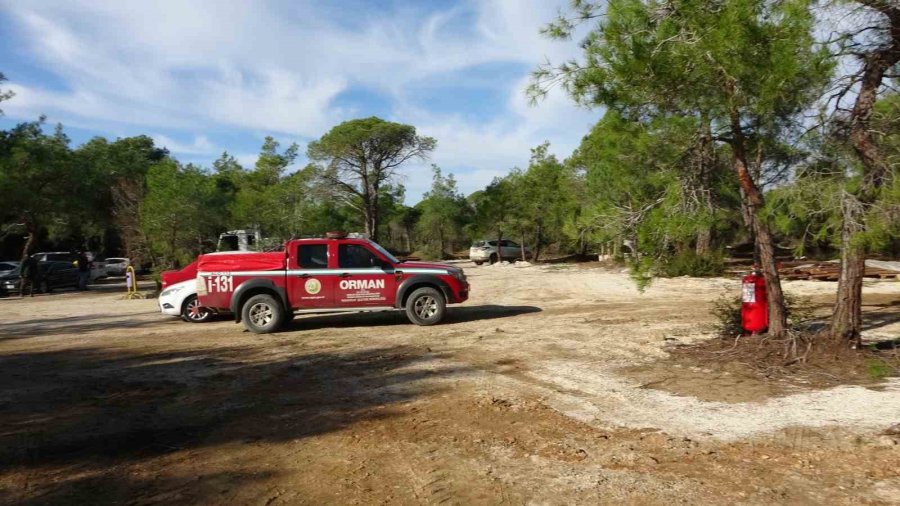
830	271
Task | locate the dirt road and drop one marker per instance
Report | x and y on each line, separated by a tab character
519	399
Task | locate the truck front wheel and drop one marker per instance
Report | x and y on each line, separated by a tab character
426	306
262	314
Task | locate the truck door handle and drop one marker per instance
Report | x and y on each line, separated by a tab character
304	275
345	274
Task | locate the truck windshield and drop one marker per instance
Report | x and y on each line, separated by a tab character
384	252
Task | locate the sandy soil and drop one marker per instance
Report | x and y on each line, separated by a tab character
519	398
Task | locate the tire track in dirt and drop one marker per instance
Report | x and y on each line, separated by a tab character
598	395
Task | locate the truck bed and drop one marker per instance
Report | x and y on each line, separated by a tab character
243	261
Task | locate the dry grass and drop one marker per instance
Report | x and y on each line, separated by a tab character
811	359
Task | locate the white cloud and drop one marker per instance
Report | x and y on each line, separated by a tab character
277	67
247	160
201	145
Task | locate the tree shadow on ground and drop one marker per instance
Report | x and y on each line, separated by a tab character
455	314
73	325
876	319
93	411
874	316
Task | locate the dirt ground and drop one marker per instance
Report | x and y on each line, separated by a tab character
549	386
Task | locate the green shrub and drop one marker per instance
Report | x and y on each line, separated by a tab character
689	263
877	369
727	311
799	311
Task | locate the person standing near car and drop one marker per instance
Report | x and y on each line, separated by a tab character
28	275
84	270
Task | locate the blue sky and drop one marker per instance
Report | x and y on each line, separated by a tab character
207	76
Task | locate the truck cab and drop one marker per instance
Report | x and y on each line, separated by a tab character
331	274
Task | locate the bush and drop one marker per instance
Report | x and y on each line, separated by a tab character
727	311
878	369
689	263
799	311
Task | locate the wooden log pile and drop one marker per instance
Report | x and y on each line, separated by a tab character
830	271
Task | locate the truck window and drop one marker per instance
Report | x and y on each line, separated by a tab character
228	243
354	256
313	256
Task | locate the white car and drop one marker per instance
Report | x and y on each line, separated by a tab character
116	266
180	299
486	251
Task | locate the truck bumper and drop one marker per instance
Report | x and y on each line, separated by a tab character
463	294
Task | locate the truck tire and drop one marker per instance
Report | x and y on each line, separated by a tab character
426	306
193	312
262	314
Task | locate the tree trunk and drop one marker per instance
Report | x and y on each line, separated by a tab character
707	159
375	220
704	240
29	244
846	322
764	242
537	244
777	310
522	245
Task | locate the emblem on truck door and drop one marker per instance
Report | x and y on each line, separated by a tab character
313	286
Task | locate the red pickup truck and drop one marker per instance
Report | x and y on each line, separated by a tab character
332	274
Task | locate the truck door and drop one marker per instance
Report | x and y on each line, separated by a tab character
364	278
310	282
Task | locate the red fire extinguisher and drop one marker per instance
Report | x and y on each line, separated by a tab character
754	303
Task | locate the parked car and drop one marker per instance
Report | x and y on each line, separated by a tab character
9	277
55	256
180	299
486	251
98	267
169	278
57	275
116	266
53	275
8	266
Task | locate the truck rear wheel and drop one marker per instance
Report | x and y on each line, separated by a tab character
262	314
426	306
